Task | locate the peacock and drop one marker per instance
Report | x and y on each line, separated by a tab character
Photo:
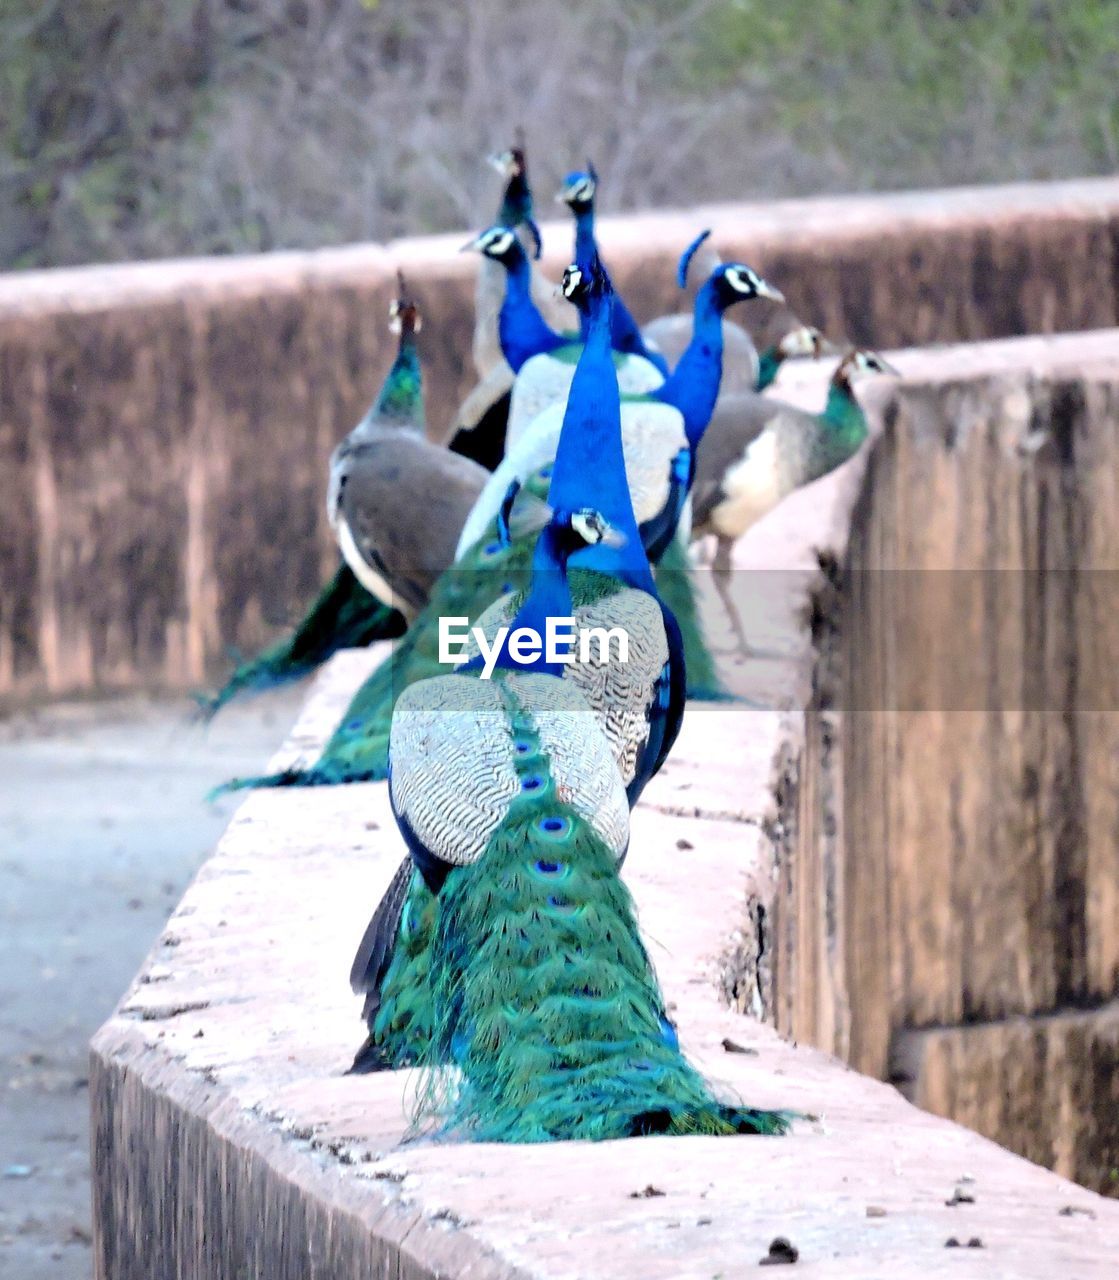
578	193
534	985
542	358
776	330
389	558
498	566
660	432
478	426
757	450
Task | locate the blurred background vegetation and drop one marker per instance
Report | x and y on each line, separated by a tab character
133	129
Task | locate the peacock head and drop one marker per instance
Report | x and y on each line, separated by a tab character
729	282
578	189
496	242
805	342
861	361
857	363
509	163
582	283
585	527
736	282
404	314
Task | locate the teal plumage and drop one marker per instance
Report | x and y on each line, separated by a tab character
757	451
343	616
542	994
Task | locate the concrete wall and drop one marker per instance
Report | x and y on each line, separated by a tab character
164	427
948	910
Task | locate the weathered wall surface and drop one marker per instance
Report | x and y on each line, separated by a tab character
948	910
164	427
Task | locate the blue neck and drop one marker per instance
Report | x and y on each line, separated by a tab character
520	326
693	387
625	336
550	597
585	246
590	467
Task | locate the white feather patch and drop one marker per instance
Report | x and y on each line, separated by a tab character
652	435
364	572
752	487
451	750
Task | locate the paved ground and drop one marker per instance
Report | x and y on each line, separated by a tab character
102	825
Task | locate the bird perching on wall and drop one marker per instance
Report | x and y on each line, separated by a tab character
758	450
478	426
395	501
508	795
380	477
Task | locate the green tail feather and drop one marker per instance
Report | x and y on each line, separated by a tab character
344	616
546	1001
358	749
403	1027
677	589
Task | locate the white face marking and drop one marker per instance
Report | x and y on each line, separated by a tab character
572	279
742	279
870	362
801	342
580	192
588	526
495	243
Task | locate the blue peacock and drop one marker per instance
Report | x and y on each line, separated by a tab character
478	426
541	358
578	193
538	989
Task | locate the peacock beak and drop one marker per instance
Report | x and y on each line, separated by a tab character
766	290
474	245
612	537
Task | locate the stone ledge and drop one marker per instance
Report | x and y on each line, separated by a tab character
228	1141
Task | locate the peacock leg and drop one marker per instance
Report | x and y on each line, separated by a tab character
721	569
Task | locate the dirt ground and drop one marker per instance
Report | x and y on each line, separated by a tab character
103	822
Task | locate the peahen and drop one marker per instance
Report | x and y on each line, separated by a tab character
578	193
757	451
542	358
787	338
395	501
498	565
389	560
478	427
535	987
